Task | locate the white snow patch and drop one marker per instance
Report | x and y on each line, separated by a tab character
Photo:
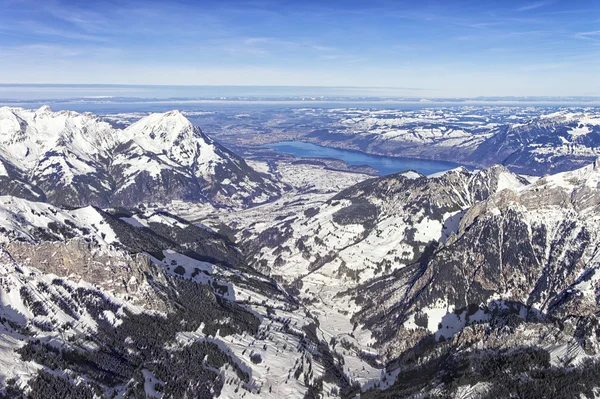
428	230
509	181
579	131
411	175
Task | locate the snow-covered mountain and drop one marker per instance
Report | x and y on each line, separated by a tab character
60	155
434	273
97	304
549	143
373	227
518	277
73	159
460	284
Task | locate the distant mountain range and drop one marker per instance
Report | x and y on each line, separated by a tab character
535	145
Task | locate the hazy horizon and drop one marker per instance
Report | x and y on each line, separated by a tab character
90	92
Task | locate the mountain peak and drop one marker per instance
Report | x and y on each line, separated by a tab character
160	125
44	109
160	129
173	115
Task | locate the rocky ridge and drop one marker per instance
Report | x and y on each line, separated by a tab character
71	159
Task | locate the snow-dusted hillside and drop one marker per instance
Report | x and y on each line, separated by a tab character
397	286
459	284
519	273
146	304
78	159
369	229
407	269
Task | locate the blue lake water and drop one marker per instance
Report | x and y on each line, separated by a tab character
384	165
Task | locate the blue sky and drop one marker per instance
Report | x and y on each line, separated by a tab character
422	48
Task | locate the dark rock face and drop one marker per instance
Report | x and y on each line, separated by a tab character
530	247
14	182
53	177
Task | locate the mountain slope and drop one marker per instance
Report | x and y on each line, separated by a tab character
76	159
550	143
519	276
163	157
500	302
436	279
14	182
61	153
145	305
373	227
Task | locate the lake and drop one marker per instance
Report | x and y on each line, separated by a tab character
384	165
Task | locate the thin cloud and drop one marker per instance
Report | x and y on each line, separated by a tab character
39	29
39	50
593	35
263	46
534	6
88	21
543	67
343	58
320	48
